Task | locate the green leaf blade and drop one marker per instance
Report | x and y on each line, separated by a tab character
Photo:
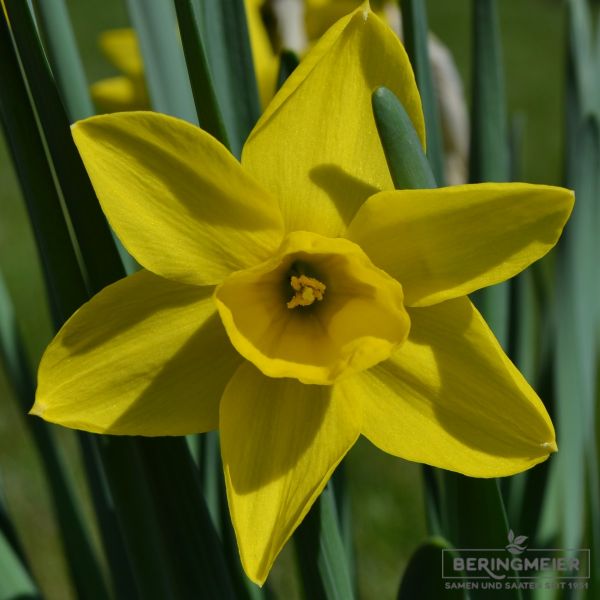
93	235
320	552
416	32
80	553
421	580
56	25
489	155
208	110
232	67
15	582
164	64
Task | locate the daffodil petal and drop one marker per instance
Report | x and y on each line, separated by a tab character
146	356
446	243
281	441
121	48
119	93
316	146
451	398
178	200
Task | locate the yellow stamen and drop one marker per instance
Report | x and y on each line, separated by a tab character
308	289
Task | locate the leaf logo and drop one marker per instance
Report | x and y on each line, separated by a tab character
516	544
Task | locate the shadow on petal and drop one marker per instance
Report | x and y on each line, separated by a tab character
183	395
348	193
196	190
269	426
481	400
449	397
126	304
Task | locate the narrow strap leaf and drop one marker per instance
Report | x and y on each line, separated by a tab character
433	499
575	344
8	530
422	576
94	238
489	130
81	558
211	472
343	507
64	281
489	157
74	94
525	298
137	518
477	519
524	349
164	65
576	288
320	551
188	534
288	61
15	582
119	562
72	85
528	310
56	26
416	32
203	87
584	58
229	54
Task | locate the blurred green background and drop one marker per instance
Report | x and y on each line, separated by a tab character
386	492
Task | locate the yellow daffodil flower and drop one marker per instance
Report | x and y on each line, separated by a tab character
128	91
297	301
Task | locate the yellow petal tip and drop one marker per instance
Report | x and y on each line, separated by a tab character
258	579
38	409
550	447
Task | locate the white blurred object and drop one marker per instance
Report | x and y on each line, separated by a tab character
289	16
453	111
393	17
